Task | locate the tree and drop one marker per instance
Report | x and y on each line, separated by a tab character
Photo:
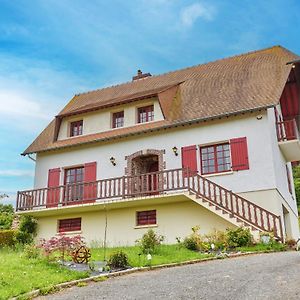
296	174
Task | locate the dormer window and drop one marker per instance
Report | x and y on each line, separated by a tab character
146	114
118	119
76	128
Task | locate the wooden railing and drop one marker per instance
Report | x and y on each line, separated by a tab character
236	205
162	182
104	189
287	130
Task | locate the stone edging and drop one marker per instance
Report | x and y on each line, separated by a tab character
68	284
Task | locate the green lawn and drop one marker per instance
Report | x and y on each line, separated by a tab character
263	247
164	255
19	275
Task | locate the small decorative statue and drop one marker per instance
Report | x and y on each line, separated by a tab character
81	255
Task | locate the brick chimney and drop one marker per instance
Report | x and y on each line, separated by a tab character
140	75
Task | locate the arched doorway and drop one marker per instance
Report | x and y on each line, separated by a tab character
143	169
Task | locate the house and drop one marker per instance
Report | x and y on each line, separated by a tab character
209	145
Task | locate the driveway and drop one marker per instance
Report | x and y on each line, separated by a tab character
263	276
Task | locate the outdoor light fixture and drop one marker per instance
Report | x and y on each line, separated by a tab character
293	66
175	150
113	161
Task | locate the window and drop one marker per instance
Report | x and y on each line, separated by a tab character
73	178
118	119
215	158
68	225
76	128
147	217
146	114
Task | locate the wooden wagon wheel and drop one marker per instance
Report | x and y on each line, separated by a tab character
81	255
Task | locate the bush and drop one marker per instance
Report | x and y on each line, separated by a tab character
7	238
239	237
150	241
218	239
193	241
27	230
62	244
292	244
118	260
31	252
6	216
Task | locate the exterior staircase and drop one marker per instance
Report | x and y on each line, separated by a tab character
232	207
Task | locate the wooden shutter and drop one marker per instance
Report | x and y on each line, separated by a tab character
53	185
239	154
90	176
189	159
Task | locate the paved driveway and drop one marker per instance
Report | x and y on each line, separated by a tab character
264	276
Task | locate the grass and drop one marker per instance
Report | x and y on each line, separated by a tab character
164	255
19	275
263	247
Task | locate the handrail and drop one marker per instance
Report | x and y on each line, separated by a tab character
235	204
150	184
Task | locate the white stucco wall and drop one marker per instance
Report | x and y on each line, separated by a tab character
173	220
100	121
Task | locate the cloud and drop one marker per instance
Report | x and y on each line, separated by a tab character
16	173
191	13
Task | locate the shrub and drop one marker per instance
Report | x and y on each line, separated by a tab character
149	242
62	244
118	260
27	230
239	237
7	238
6	216
193	241
218	239
31	252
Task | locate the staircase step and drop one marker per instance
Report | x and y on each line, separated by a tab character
224	212
239	220
204	201
210	204
218	208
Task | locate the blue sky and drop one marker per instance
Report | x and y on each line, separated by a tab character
51	50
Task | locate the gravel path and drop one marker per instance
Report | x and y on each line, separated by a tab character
263	276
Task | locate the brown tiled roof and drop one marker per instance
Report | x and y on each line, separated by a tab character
223	87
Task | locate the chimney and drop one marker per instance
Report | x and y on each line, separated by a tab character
140	75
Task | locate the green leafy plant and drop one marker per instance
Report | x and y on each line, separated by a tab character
27	230
150	241
118	260
218	239
31	252
6	216
7	238
239	237
193	241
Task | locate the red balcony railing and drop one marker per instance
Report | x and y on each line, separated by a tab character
287	130
162	182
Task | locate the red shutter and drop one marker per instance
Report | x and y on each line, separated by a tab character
239	154
53	184
90	187
189	159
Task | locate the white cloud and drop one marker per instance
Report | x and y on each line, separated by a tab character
191	13
16	173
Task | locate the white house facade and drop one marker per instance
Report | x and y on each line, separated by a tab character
173	151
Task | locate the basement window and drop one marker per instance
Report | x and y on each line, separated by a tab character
147	217
69	225
76	128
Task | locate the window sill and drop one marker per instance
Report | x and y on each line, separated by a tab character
145	226
218	174
69	232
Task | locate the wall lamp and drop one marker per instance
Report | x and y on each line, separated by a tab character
113	161
175	150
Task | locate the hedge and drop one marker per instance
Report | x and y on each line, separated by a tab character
7	238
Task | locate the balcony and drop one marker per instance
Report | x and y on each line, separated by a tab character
111	190
288	139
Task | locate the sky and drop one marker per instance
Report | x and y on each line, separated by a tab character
51	50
